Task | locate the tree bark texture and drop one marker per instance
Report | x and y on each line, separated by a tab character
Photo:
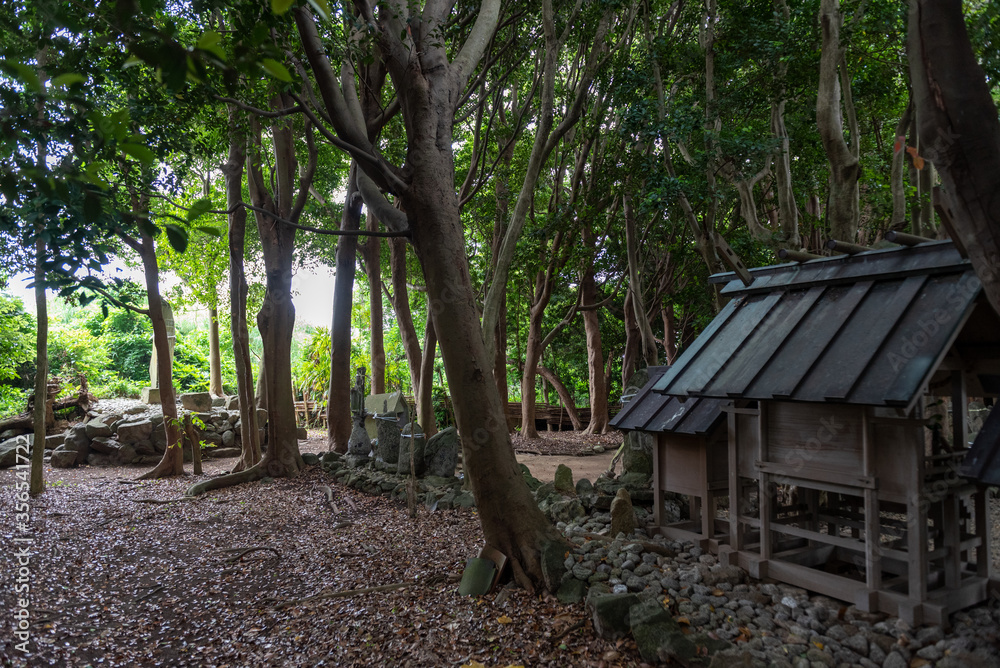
959	131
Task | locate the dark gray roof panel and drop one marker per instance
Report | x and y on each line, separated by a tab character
862	329
652	412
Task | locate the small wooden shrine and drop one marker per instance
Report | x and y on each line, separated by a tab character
843	457
690	457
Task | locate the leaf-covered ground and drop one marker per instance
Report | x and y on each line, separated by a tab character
566	443
116	581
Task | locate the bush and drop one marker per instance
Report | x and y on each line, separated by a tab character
75	351
12	400
17	338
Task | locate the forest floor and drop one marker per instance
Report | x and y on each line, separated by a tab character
118	580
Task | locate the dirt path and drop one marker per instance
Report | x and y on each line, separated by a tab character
543	467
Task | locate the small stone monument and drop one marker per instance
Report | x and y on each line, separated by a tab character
441	453
622	514
413	435
359	446
387	446
151	394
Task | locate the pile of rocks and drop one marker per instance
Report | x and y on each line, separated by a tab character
116	434
434	491
680	604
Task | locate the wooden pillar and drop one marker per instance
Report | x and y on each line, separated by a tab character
764	493
984	558
959	411
952	535
735	496
916	522
657	482
873	527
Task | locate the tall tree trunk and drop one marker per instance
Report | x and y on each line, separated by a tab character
959	131
276	319
172	462
425	396
844	208
339	398
214	354
595	355
245	390
401	307
373	265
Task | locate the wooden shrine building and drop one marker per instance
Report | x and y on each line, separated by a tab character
690	457
843	461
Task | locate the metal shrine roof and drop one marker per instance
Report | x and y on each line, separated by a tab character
649	411
868	329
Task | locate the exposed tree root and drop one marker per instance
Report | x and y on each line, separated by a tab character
161	501
255	472
348	593
152	592
249	550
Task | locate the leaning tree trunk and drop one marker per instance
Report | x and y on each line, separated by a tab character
438	238
172	462
959	131
233	171
339	399
647	342
565	398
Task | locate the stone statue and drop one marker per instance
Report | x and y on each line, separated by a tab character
359	445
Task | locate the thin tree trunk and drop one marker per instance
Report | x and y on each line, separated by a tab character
649	354
595	355
172	462
233	172
36	484
564	396
214	354
633	340
401	307
339	400
959	131
788	212
425	396
896	184
373	264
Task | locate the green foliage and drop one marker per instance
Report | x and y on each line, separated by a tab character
12	400
17	337
74	351
311	375
128	338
